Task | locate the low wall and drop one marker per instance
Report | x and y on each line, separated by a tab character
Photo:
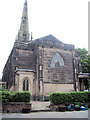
16	107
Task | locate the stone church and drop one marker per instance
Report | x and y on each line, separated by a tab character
41	66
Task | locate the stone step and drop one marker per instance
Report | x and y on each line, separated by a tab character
40	106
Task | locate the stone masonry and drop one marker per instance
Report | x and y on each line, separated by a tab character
41	66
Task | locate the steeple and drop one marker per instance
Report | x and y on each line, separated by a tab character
23	33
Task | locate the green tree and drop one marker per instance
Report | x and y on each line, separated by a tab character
85	59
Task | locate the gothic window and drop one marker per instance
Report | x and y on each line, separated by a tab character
57	68
57	60
25	84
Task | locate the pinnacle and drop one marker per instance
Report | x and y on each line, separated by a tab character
25	1
23	34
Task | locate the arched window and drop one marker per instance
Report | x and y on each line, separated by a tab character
57	60
26	84
57	68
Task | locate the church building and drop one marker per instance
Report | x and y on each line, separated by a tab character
41	66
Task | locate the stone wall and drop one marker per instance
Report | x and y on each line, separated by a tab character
24	59
49	88
20	78
47	83
15	107
66	73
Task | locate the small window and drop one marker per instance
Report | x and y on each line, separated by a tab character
25	85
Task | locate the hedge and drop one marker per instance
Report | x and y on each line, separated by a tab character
16	96
62	98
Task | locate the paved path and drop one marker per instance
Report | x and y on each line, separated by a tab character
38	105
74	114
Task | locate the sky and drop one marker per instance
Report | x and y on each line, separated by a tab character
67	20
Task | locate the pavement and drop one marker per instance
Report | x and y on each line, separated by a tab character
74	114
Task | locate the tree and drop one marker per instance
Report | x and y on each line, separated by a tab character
85	59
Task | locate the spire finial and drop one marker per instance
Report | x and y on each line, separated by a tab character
25	1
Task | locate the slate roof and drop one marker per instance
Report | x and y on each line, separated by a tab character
47	41
49	38
51	41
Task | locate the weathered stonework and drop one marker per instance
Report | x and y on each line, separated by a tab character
16	107
41	66
49	88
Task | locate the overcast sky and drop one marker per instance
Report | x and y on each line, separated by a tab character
67	20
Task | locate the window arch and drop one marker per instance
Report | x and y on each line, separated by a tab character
26	84
57	60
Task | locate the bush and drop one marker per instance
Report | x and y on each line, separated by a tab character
62	98
21	97
5	96
16	96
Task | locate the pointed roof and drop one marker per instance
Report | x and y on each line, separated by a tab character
23	33
51	41
47	39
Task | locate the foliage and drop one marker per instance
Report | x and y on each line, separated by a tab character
79	103
16	96
85	59
63	98
2	88
5	96
20	97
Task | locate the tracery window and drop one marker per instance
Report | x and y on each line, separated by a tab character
57	59
25	84
57	68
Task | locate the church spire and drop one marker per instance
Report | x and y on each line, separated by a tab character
23	33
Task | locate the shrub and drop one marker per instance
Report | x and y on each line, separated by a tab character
16	96
21	97
5	96
62	98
